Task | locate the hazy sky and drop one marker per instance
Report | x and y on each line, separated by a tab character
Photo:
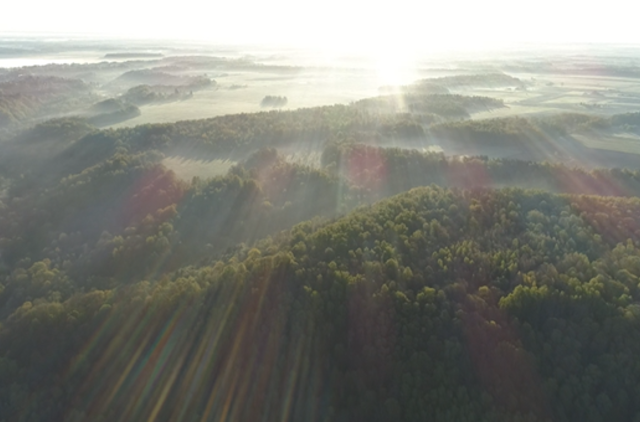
334	23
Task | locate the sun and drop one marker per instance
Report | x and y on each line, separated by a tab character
395	67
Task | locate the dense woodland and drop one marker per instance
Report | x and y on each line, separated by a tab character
146	94
240	135
437	304
28	96
383	284
110	111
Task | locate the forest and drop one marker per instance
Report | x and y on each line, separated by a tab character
28	96
388	280
370	121
469	299
439	304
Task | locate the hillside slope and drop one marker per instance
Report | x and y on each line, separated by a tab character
432	305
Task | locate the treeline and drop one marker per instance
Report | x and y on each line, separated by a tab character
157	77
111	111
145	94
32	149
442	85
542	139
383	172
536	138
128	217
565	123
242	134
274	101
16	108
48	86
29	96
477	80
548	138
133	55
491	133
36	93
628	121
443	105
436	304
422	87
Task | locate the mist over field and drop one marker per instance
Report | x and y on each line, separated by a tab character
197	231
142	82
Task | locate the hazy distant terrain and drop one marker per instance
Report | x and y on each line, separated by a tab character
151	83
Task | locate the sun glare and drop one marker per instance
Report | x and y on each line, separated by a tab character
394	67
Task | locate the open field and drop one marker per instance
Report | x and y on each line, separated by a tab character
242	92
623	142
187	169
562	93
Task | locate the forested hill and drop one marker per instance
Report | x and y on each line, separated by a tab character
128	217
436	304
495	290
